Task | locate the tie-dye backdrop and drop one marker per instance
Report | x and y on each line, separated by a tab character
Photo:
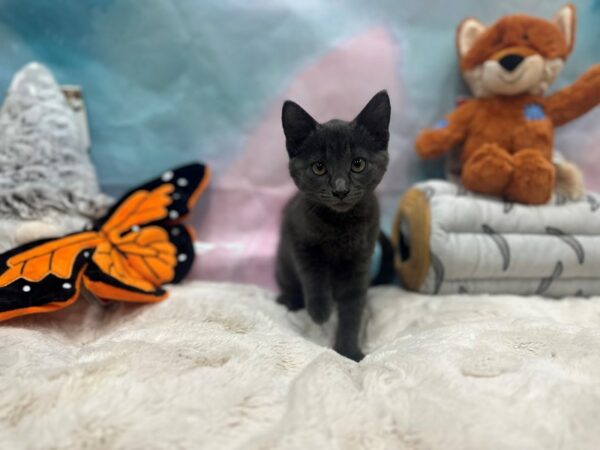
170	81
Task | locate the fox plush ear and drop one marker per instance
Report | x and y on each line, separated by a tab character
565	21
375	118
467	33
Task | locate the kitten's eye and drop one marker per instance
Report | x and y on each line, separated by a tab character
358	165
319	168
525	37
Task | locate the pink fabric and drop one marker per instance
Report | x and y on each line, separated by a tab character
242	220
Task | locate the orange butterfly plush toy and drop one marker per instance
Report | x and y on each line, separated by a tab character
127	255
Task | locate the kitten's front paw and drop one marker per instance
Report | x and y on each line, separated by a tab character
354	354
292	302
319	309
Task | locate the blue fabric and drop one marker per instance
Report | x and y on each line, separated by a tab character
167	82
170	81
442	123
534	112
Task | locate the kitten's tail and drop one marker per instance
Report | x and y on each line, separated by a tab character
386	272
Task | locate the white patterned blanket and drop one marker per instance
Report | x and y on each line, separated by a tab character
482	245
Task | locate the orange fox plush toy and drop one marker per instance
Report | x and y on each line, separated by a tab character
507	130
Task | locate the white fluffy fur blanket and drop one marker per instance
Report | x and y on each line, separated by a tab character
220	366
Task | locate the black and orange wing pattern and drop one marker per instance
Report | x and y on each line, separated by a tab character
168	198
44	276
147	245
128	255
140	263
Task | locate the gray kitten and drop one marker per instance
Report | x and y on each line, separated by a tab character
330	227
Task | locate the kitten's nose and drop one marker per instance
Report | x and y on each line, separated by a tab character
511	62
341	194
340	188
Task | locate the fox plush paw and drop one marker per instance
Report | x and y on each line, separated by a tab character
488	170
533	179
432	143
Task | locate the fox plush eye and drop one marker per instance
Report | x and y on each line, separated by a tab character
358	165
319	168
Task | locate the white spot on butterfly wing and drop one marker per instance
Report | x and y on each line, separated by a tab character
86	254
26	288
167	176
135	228
176	196
182	257
173	214
67	285
175	232
182	182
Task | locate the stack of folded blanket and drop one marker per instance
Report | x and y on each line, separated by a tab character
452	241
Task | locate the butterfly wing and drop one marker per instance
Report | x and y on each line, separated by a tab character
45	275
146	246
136	266
166	199
133	250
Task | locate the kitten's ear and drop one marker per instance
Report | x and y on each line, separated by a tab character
375	118
297	125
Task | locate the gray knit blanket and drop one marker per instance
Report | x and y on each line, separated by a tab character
48	184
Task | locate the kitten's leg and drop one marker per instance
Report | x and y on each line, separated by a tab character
287	280
316	285
351	296
291	290
291	300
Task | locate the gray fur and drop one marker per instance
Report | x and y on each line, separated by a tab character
48	185
44	165
331	225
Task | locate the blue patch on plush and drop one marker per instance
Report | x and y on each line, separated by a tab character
442	123
376	261
534	112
